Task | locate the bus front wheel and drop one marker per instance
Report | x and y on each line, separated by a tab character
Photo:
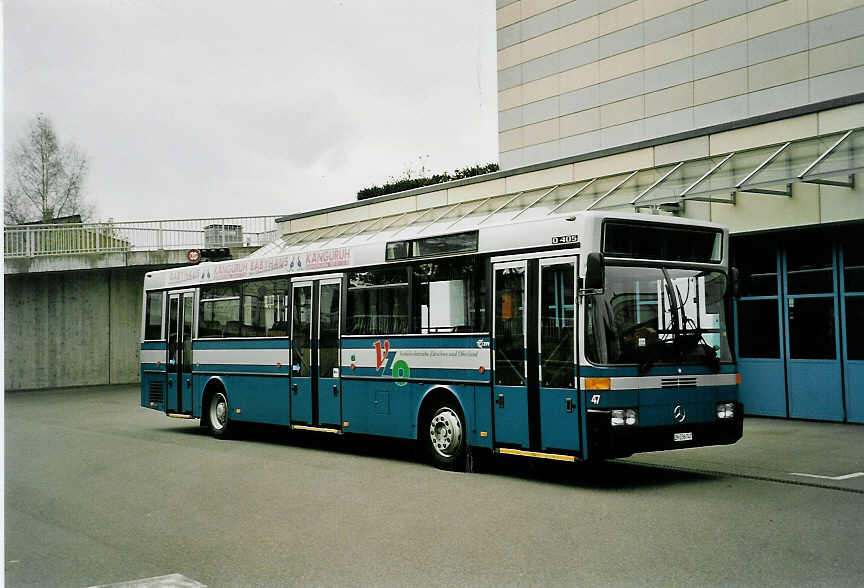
218	415
444	436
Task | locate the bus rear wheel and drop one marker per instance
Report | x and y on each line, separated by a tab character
444	435
217	415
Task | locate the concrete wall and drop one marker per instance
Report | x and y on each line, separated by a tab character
577	76
75	320
72	328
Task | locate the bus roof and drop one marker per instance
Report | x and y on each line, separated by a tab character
339	247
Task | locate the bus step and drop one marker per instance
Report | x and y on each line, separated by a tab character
316	429
539	454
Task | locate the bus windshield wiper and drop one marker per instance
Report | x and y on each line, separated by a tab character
674	301
653	352
688	339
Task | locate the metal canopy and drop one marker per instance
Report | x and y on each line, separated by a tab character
766	170
831	160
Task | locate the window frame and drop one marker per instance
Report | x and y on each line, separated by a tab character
145	316
411	244
728	309
482	267
662	227
202	301
241	297
475	266
407	269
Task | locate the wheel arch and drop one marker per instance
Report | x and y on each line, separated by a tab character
214	384
432	398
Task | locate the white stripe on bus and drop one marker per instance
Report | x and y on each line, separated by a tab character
435	358
653	382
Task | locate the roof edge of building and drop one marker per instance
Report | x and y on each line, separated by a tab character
701	132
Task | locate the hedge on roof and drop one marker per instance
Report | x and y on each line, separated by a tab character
403	184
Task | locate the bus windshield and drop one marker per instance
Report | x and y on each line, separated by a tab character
658	315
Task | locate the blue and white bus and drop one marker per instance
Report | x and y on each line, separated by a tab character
579	337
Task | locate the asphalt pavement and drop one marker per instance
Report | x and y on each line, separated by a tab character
101	491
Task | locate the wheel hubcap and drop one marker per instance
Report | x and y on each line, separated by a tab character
219	411
445	431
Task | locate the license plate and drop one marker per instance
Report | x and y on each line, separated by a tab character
683	436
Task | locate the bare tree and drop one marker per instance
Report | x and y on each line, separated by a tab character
44	179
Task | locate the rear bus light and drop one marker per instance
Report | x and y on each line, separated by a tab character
625	416
726	410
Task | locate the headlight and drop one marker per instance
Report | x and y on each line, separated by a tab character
725	410
625	416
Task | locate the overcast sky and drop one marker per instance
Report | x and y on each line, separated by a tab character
199	108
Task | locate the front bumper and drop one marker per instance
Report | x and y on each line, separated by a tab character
604	441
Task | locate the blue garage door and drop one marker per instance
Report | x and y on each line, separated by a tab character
800	323
852	313
811	314
759	331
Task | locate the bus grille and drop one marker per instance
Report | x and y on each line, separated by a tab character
157	392
679	382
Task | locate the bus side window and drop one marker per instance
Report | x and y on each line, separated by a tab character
264	305
378	302
219	311
449	297
153	316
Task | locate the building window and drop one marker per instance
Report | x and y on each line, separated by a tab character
854	327
758	323
853	273
758	329
756	260
853	262
810	265
811	328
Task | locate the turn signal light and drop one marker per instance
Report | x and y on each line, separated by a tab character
598	383
738	378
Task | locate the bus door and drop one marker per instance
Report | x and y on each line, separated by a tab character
535	400
510	357
316	398
178	398
556	353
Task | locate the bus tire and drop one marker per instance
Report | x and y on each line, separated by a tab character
444	436
217	415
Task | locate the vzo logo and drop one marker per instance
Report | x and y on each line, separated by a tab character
384	362
382	354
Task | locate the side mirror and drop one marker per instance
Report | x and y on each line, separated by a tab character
595	273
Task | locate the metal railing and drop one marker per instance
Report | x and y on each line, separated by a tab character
114	237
